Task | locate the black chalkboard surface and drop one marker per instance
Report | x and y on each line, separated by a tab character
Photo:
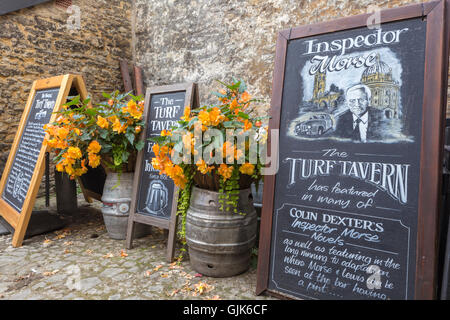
156	191
24	169
155	196
345	219
29	147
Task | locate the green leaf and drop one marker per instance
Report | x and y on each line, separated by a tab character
157	139
130	137
85	136
243	115
103	133
139	145
106	95
91	112
220	95
242	86
117	159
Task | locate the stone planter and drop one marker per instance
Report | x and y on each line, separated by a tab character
116	201
219	242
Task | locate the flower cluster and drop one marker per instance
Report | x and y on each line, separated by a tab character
201	142
84	135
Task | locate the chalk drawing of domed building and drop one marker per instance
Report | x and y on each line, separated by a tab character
385	90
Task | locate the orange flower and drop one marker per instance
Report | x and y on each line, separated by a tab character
62	132
157	164
234	104
133	110
227	150
74	152
155	149
238	153
94	160
203	116
186	114
67	160
137	129
203	167
188	141
215	116
102	122
247	125
247	168
225	171
60	167
118	127
51	142
224	100
94	147
69	170
245	97
166	133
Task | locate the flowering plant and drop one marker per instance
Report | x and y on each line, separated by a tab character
84	135
214	147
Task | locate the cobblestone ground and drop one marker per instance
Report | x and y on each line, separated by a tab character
82	262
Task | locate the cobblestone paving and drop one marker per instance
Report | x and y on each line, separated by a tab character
82	262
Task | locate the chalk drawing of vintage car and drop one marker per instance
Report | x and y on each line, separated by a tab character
315	124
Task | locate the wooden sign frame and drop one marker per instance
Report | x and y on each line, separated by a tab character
433	109
191	99
19	221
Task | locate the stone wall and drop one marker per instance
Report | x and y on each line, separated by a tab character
42	41
179	41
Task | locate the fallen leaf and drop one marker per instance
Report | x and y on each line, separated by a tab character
123	253
50	273
202	287
67	251
89	251
68	243
158	267
164	275
198	275
174	292
108	255
148	273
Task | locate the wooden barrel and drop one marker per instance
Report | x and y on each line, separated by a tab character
220	242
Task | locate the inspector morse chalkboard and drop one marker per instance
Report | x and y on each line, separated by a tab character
352	211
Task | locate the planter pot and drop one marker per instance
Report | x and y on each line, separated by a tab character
116	201
220	242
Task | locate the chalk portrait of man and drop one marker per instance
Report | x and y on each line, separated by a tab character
360	122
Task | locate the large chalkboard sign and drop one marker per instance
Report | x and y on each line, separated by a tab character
352	211
155	196
25	166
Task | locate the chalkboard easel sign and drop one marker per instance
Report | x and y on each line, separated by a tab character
155	196
25	166
352	212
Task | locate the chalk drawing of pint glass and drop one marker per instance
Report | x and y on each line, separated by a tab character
157	198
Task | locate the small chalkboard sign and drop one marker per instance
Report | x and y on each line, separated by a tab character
155	196
352	212
25	166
